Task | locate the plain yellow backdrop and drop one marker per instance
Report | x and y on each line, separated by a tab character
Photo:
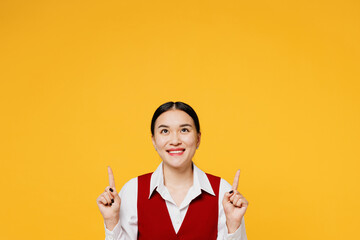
275	84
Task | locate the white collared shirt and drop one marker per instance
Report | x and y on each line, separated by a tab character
127	227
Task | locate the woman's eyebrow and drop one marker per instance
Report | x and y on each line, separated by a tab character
182	125
185	125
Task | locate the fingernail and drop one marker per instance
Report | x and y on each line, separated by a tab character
112	200
111	190
231	191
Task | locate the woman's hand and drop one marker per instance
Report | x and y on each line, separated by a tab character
109	203
235	206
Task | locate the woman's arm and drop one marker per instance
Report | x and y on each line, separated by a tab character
119	210
223	232
127	227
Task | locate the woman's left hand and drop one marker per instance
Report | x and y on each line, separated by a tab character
235	206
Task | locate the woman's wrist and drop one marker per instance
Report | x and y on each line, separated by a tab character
232	226
111	223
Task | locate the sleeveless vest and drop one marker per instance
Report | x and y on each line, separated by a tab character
154	223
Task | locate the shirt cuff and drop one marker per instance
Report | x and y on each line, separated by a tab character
114	234
234	236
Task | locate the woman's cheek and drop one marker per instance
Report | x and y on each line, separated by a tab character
190	140
161	143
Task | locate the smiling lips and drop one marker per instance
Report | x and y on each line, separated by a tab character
176	151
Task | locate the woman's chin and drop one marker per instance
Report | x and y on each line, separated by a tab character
177	163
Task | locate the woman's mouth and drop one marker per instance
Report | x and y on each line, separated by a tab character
176	151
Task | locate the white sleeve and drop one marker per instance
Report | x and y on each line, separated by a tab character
127	227
240	233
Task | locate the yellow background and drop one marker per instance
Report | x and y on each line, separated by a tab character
275	84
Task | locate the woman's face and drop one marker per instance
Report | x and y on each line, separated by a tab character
175	138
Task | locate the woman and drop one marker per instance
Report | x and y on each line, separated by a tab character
178	200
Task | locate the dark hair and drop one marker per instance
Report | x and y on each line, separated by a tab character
175	105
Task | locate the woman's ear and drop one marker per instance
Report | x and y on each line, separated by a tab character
198	140
153	141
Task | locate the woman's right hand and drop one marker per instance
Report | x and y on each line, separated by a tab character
109	203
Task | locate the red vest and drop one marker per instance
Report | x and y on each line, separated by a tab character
154	223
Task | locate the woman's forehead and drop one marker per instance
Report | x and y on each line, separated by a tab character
174	118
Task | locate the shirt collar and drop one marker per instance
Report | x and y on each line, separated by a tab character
200	181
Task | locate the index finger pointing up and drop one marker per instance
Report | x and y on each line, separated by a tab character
236	180
111	178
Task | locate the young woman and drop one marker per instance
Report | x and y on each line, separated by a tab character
178	200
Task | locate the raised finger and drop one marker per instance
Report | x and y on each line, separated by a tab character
236	180
111	177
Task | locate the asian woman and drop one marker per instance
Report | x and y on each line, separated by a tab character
177	200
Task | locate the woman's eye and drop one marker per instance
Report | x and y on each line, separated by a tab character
184	130
164	131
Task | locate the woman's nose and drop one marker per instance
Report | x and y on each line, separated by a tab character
175	140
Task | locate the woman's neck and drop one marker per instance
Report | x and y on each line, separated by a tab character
178	177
